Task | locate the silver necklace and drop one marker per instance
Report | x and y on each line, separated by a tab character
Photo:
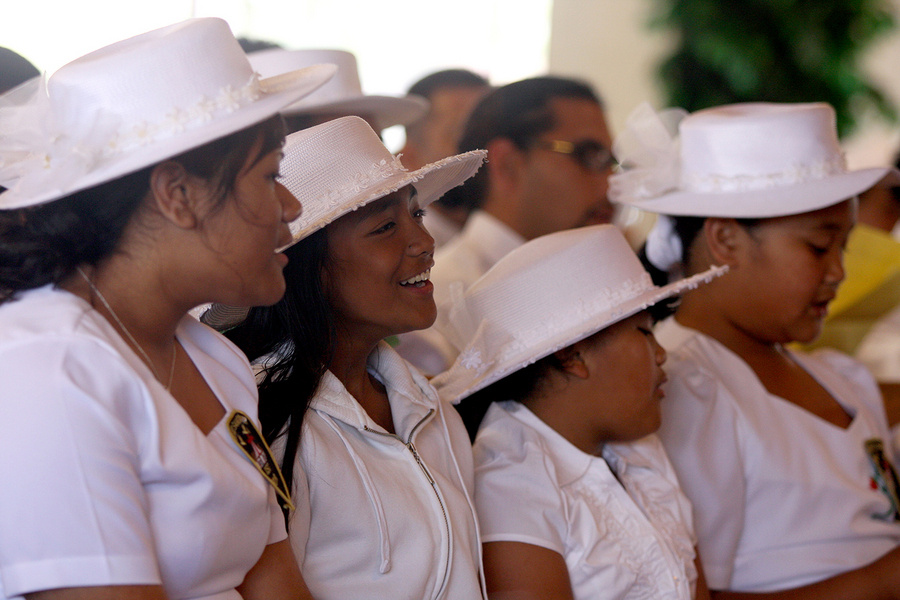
130	337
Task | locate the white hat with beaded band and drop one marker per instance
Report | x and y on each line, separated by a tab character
753	160
543	296
132	104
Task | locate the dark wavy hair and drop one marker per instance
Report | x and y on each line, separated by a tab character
45	243
297	334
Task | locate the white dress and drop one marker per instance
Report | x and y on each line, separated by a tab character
625	540
483	241
106	480
381	515
781	497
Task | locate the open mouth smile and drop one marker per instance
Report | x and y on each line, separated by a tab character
418	280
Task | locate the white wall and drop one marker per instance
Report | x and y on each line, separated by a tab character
607	43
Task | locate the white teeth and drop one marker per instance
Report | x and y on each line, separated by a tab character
418	278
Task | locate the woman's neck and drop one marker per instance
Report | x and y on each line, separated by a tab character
701	311
136	302
350	366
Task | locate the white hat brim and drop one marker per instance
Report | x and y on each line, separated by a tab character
382	111
431	182
285	89
459	382
778	201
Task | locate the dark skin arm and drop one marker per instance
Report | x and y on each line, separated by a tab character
879	580
890	392
519	571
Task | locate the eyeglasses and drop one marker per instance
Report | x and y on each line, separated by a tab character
590	154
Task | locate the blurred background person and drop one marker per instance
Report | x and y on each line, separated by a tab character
451	94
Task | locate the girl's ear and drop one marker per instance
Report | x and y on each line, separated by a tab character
178	195
723	238
572	361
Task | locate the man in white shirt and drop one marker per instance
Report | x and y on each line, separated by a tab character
548	163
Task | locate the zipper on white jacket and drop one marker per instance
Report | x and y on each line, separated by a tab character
412	448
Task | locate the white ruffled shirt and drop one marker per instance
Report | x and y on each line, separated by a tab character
632	539
781	497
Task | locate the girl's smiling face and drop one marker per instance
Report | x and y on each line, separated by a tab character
380	259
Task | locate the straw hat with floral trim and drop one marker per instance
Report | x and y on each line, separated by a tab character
544	296
340	166
753	160
342	96
133	104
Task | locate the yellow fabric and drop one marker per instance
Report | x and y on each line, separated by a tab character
871	288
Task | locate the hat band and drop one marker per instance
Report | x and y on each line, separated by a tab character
798	173
71	156
327	200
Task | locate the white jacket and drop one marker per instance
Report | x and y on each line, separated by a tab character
381	515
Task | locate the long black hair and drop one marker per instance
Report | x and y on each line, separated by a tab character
45	243
297	337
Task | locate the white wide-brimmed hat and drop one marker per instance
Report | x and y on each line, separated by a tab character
343	95
544	296
753	160
339	166
133	104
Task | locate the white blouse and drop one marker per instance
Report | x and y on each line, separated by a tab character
620	521
781	497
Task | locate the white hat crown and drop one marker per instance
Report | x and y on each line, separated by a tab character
342	165
130	104
343	94
546	295
740	160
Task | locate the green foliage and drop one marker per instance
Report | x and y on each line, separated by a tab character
776	51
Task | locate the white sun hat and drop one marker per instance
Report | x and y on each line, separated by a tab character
343	95
544	296
133	104
341	165
753	160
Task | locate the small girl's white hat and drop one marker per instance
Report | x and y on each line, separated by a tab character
544	296
133	104
339	166
342	95
753	160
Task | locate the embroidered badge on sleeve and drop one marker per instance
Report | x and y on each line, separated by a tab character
884	478
254	447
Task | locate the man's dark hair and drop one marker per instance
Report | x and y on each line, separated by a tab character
448	78
14	69
520	112
251	45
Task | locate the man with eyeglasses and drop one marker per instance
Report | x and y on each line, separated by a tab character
548	162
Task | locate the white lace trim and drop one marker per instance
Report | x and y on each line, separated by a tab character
800	173
378	173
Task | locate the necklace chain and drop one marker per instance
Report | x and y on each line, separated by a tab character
131	337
